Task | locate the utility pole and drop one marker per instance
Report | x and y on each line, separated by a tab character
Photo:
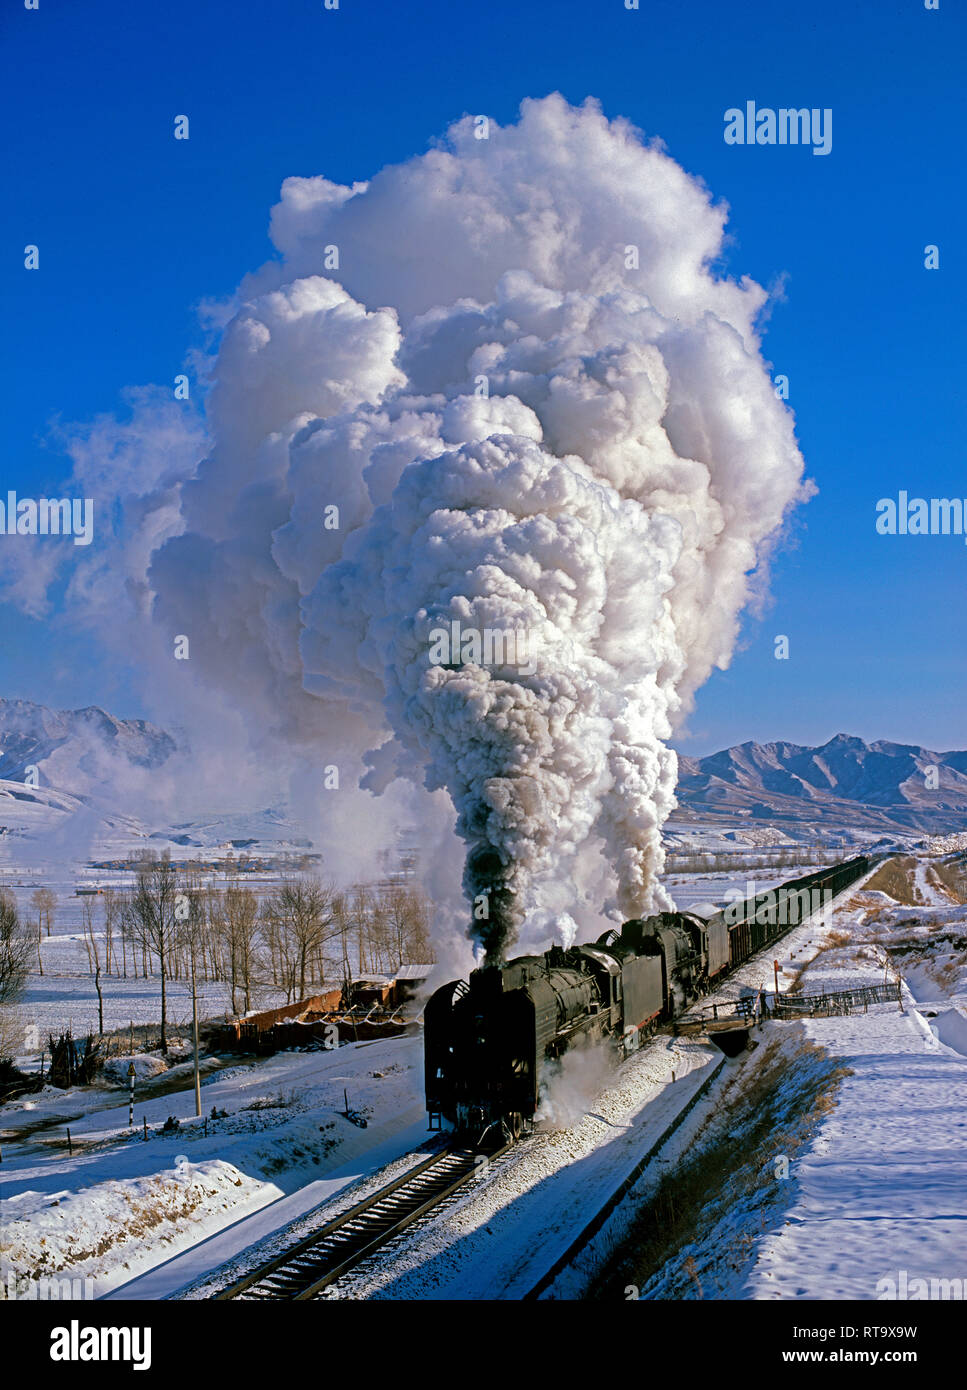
194	1030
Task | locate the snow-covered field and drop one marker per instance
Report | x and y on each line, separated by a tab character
65	995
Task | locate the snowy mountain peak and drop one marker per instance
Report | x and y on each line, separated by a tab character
846	781
74	750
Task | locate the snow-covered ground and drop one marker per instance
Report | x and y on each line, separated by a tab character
880	1182
693	892
504	1233
120	1206
884	1187
876	1195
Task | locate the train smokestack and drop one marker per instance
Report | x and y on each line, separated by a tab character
492	898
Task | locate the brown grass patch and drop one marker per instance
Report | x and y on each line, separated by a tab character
835	941
951	879
895	878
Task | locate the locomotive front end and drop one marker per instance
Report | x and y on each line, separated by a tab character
479	1053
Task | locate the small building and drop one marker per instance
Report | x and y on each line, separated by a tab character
369	990
409	981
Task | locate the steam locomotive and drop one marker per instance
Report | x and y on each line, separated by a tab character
489	1041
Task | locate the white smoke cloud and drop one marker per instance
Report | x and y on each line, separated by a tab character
520	432
571	1085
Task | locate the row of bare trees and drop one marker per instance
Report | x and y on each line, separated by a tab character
729	861
296	937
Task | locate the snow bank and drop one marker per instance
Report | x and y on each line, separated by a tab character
115	1069
117	1222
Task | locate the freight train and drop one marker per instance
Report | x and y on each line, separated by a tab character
489	1041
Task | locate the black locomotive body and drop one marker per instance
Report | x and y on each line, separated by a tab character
489	1041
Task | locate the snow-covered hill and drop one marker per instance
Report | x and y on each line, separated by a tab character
876	786
76	750
62	775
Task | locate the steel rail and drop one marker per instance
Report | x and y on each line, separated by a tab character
351	1237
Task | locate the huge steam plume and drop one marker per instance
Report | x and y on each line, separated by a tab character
538	409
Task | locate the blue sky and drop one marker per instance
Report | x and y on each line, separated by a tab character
136	230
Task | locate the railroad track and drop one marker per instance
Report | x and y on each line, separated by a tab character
325	1255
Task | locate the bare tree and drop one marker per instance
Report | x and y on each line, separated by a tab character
237	925
302	919
282	964
93	956
407	920
12	1034
15	949
87	930
149	916
44	903
36	928
342	920
360	911
112	917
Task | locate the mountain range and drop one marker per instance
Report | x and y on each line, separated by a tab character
846	782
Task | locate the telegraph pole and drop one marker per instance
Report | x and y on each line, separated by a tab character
194	1030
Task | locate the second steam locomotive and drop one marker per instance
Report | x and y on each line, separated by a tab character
489	1041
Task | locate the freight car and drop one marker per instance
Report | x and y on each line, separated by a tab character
489	1040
